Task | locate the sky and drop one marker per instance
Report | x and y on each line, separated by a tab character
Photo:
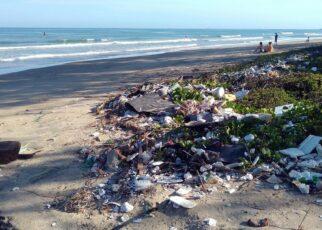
230	14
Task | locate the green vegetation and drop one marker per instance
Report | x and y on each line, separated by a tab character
180	95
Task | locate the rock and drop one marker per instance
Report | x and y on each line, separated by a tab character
54	224
126	207
292	152
9	151
274	180
178	200
210	221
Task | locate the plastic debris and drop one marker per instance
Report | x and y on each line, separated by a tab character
309	144
178	200
210	222
274	180
280	110
249	138
126	207
183	191
292	152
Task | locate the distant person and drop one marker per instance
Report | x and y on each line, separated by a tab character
276	38
260	48
308	39
44	34
269	48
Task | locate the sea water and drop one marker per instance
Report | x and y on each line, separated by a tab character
27	48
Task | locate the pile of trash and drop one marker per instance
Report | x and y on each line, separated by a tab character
191	138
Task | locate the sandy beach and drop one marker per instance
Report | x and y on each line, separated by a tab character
49	110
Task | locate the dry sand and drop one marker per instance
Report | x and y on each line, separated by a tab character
48	109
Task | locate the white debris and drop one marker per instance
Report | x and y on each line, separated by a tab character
142	183
309	164
304	188
231	191
183	191
54	224
219	92
211	222
318	201
15	189
178	200
101	192
319	150
276	187
198	151
292	152
279	110
116	187
157	163
249	138
167	120
234	139
124	218
241	94
308	176
187	176
126	207
255	161
309	144
247	177
314	69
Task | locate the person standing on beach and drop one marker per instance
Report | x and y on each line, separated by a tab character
276	38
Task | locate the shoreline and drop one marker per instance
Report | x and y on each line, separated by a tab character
212	48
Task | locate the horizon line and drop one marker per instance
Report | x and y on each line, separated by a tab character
155	28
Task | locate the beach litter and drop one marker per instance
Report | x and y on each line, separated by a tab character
189	138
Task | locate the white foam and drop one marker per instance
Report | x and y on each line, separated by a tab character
183	40
230	36
90	43
313	34
287	33
61	55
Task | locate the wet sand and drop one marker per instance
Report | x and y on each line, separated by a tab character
48	109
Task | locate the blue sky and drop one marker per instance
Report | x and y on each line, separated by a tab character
162	13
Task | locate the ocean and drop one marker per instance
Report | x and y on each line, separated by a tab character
22	48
